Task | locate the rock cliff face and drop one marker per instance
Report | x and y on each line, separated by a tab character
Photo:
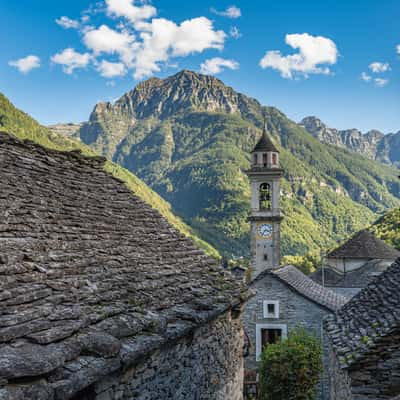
189	137
373	144
69	129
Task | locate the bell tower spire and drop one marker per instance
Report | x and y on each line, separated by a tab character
265	216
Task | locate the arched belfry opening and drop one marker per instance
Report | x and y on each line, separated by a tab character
265	196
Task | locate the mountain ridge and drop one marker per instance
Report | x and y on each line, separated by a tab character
374	144
189	137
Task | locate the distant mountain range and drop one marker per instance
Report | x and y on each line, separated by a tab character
373	144
20	124
189	137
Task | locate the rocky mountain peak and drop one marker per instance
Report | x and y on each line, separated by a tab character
186	90
312	123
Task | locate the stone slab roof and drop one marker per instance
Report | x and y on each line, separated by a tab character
302	284
358	278
265	144
367	318
91	277
365	244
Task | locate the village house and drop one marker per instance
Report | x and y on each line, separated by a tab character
100	298
284	298
353	265
364	339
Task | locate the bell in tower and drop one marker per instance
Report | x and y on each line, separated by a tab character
265	217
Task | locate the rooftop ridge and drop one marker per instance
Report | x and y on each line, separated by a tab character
75	155
365	244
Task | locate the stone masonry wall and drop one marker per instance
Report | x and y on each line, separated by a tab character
376	376
339	380
205	366
294	310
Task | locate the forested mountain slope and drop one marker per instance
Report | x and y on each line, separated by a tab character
189	138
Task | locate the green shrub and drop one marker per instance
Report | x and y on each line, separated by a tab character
291	369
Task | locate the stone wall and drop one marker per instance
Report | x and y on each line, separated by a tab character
340	388
376	376
208	365
294	310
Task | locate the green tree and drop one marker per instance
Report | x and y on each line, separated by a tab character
307	263
291	369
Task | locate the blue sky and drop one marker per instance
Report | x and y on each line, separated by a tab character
337	60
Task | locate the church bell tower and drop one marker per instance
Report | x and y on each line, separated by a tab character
265	217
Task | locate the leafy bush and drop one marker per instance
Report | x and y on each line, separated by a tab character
291	369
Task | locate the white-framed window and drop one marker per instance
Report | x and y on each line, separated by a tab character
271	309
268	334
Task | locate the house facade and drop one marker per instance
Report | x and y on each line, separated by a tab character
285	299
100	297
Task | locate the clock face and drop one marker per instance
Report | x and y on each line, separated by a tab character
265	230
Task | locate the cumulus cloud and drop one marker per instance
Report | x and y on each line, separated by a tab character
127	9
71	59
109	69
230	12
216	65
67	23
234	32
378	67
380	82
141	42
25	64
398	49
313	53
110	41
166	39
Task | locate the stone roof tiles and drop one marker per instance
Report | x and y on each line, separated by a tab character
306	287
365	244
265	144
91	277
369	317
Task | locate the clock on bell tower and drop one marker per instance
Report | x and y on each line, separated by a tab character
265	217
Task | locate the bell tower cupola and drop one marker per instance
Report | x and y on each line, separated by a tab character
265	216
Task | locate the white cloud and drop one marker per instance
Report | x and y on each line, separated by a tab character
26	64
167	39
365	77
142	43
230	12
110	41
314	51
380	82
234	32
216	65
109	69
71	59
67	23
398	49
378	67
127	9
